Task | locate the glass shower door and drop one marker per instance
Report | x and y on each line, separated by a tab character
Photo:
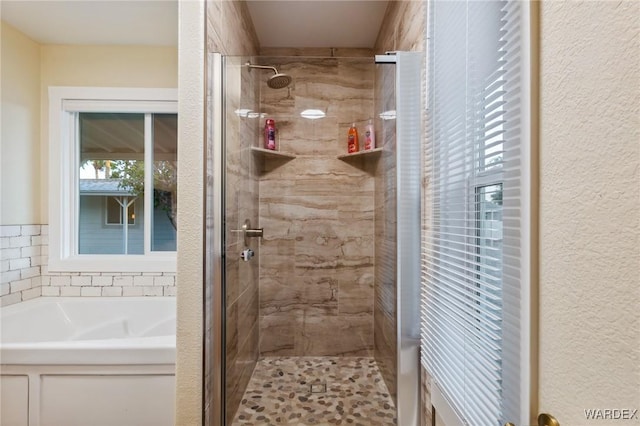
231	287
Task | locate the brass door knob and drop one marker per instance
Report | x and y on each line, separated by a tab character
545	419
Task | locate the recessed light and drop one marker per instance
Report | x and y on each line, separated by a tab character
313	114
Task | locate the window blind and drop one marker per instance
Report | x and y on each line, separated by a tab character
474	307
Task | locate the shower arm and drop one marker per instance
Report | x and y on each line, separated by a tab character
250	65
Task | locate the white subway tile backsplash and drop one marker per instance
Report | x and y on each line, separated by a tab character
20	285
30	229
112	291
152	291
31	293
102	281
142	281
61	281
30	251
70	291
10	231
133	291
90	291
123	281
81	281
163	281
9	276
9	253
34	271
21	263
51	291
10	299
25	274
20	241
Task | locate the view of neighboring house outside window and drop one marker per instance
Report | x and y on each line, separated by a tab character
112	153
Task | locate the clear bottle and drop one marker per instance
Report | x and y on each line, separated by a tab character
352	139
270	134
369	136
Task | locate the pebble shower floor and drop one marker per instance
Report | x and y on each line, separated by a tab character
316	391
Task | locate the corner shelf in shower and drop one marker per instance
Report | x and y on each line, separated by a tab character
269	153
270	159
369	153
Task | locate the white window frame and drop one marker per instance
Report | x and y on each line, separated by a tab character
65	103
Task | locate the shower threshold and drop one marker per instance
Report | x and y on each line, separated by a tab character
316	391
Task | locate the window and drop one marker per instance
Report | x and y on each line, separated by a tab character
116	208
113	156
475	307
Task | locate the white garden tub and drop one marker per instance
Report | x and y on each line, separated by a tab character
80	361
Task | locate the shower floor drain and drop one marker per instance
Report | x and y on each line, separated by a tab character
318	388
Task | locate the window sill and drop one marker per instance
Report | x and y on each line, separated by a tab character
157	262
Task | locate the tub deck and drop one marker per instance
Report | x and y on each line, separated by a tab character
79	361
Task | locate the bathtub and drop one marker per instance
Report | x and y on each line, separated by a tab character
88	361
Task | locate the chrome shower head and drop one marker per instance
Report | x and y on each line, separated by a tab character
277	80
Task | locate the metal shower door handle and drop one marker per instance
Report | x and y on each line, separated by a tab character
247	232
254	233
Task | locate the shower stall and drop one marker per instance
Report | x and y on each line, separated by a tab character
312	254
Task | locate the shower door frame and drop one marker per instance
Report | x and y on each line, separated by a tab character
213	377
409	114
409	110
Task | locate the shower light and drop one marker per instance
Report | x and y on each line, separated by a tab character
388	115
313	114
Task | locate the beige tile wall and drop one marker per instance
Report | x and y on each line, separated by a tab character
316	266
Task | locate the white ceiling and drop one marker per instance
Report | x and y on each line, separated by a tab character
293	23
317	23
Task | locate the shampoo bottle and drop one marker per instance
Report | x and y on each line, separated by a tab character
369	136
352	139
270	134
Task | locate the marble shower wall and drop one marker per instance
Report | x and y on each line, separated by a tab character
385	289
241	203
317	254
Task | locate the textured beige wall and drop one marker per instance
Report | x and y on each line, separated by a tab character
191	95
20	122
100	66
589	208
